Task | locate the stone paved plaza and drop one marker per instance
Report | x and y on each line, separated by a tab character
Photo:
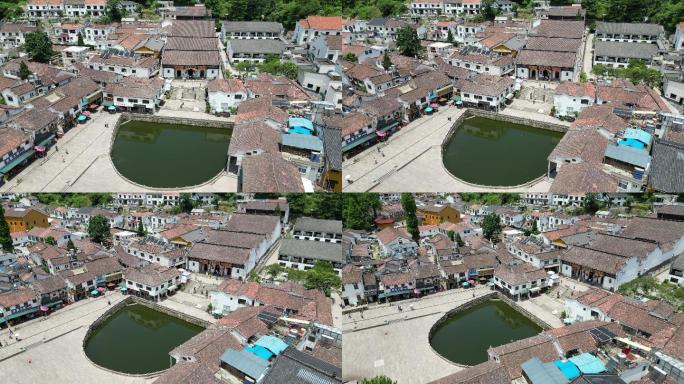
412	160
82	163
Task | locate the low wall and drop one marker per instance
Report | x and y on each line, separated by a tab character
136	300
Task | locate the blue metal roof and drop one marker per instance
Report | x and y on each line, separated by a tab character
311	143
634	143
245	362
540	373
629	155
568	369
272	343
588	363
638	134
300	122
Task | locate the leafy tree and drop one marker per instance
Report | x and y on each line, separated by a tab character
591	203
114	10
273	65
378	380
487	10
50	240
5	237
274	270
491	227
24	71
351	57
80	42
408	204
583	77
185	203
459	241
71	246
245	66
98	229
38	46
141	229
450	37
359	209
408	42
386	62
323	277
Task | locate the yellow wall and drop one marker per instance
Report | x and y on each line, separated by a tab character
28	221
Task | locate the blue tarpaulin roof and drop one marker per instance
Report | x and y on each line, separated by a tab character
245	362
588	363
259	351
634	143
540	373
299	131
638	134
272	343
568	369
300	122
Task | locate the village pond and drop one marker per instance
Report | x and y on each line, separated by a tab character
497	153
161	155
465	336
137	340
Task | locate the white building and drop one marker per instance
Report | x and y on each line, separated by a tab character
353	291
327	231
396	242
152	281
135	94
304	254
679	37
225	94
310	27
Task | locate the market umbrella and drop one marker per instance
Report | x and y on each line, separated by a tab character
465	284
82	118
471	281
94	292
123	289
490	284
100	289
428	109
111	108
44	308
86	113
434	105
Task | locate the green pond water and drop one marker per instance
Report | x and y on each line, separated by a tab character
465	337
497	153
169	155
138	340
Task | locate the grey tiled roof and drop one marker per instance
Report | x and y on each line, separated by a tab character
628	28
256	46
667	166
318	225
252	26
316	250
295	367
628	50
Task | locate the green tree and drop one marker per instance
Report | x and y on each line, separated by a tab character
24	71
50	240
450	37
408	204
491	227
141	229
408	42
71	246
185	203
322	277
591	203
583	77
245	66
351	57
378	380
80	42
386	62
38	46
5	237
98	229
357	211
274	270
459	241
487	10
114	10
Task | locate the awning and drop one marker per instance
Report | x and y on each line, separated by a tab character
94	292
86	113
633	344
18	160
535	289
44	308
111	108
465	284
82	118
380	133
123	289
428	109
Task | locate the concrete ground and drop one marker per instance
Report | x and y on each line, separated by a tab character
411	160
588	56
82	164
187	95
395	343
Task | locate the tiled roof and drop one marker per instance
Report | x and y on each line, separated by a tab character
193	28
603	27
560	28
151	275
136	87
331	23
644	51
199	58
226	85
270	173
554	44
582	178
249	137
191	43
667	166
546	58
257	224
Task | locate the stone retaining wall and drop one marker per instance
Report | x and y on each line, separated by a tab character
136	300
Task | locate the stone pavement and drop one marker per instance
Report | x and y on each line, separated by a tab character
193	305
82	164
395	343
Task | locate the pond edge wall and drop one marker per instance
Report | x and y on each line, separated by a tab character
136	300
